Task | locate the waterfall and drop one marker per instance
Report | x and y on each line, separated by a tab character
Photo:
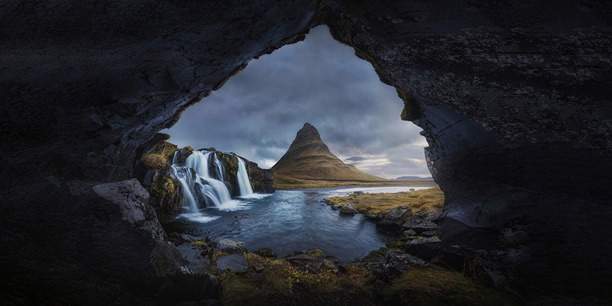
219	167
243	179
184	176
214	191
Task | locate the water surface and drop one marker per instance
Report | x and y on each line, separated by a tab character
291	220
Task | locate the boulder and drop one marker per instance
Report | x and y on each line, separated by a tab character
335	207
236	263
266	252
348	209
231	247
426	248
393	264
394	219
193	254
420	224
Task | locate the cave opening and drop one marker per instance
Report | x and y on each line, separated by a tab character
354	142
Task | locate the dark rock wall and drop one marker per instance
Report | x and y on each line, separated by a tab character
513	97
514	100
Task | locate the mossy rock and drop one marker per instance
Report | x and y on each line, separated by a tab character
166	198
154	161
183	153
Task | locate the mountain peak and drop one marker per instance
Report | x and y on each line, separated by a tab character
309	157
308	132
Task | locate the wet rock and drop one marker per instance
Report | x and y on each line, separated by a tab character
420	224
426	248
409	234
348	209
335	207
236	263
231	246
305	262
393	264
373	217
193	254
394	219
266	252
258	267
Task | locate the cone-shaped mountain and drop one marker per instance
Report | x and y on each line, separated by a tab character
309	158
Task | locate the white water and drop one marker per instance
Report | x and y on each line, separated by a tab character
204	187
243	179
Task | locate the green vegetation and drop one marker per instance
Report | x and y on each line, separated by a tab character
373	203
238	290
154	161
437	286
280	283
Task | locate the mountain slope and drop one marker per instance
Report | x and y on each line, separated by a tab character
309	158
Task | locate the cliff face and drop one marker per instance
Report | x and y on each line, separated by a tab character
309	158
513	97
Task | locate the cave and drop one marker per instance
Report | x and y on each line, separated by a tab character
512	96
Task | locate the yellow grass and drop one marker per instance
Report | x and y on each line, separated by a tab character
373	203
283	182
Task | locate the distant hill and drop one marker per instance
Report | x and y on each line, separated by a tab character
414	179
309	158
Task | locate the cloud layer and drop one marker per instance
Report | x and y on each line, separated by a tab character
258	112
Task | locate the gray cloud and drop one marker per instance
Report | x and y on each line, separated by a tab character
258	112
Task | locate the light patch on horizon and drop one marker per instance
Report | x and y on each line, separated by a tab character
258	112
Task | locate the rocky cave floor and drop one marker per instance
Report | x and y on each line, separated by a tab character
413	269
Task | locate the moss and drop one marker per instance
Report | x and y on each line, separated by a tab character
154	161
317	253
396	244
167	199
238	290
200	243
436	286
217	254
231	167
183	154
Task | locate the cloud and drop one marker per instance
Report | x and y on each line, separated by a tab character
258	112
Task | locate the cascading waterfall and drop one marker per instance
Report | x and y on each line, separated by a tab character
243	179
219	167
199	186
214	191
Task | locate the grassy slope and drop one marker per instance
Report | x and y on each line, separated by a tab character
431	199
309	159
284	182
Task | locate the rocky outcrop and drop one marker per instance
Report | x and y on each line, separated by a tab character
85	85
513	99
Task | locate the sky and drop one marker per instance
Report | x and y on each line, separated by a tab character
258	112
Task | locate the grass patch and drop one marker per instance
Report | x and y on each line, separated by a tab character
154	161
373	203
285	182
436	286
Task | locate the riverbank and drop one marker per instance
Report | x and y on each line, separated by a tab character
386	276
287	183
374	203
